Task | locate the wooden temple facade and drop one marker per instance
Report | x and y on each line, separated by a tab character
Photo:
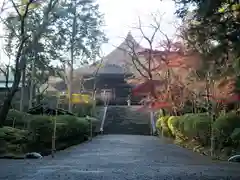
109	79
113	78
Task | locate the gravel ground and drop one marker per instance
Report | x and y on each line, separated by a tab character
120	157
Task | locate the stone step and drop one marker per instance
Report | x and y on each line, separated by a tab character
126	120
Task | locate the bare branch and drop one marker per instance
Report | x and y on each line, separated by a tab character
40	93
143	34
8	26
135	58
2	6
16	8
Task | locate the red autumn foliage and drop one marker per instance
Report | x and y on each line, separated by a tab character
169	93
155	106
225	92
149	86
160	105
173	95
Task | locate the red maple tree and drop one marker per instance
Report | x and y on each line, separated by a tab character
160	84
164	93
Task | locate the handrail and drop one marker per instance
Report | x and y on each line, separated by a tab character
104	117
153	128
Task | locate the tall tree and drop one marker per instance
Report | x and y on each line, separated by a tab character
78	36
16	24
212	29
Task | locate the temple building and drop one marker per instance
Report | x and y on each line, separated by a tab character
111	75
109	78
116	74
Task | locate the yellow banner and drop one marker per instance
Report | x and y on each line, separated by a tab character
80	98
76	98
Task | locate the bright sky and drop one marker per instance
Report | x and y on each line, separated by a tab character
122	15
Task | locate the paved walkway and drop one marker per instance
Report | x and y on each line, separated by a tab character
120	157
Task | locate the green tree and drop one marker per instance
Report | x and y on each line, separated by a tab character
52	30
212	29
214	25
16	25
78	36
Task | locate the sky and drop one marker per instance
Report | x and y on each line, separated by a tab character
121	16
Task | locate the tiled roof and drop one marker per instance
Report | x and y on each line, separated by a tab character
117	61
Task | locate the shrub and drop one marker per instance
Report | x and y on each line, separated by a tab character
158	123
198	127
13	140
95	124
224	127
202	128
13	135
83	110
17	119
225	124
177	126
235	136
162	126
71	127
192	126
187	125
173	124
70	130
41	129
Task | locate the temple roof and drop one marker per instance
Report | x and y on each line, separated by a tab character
115	62
120	54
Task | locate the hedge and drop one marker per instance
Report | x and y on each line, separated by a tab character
173	123
162	126
13	140
235	136
190	126
17	119
70	129
196	126
38	134
224	128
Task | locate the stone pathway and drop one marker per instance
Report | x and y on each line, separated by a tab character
120	157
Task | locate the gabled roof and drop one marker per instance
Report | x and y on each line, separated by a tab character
121	53
116	61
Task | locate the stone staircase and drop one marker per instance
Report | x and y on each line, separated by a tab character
125	120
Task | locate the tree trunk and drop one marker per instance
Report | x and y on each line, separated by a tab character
38	96
31	85
72	59
23	90
164	112
21	63
8	99
70	91
211	110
